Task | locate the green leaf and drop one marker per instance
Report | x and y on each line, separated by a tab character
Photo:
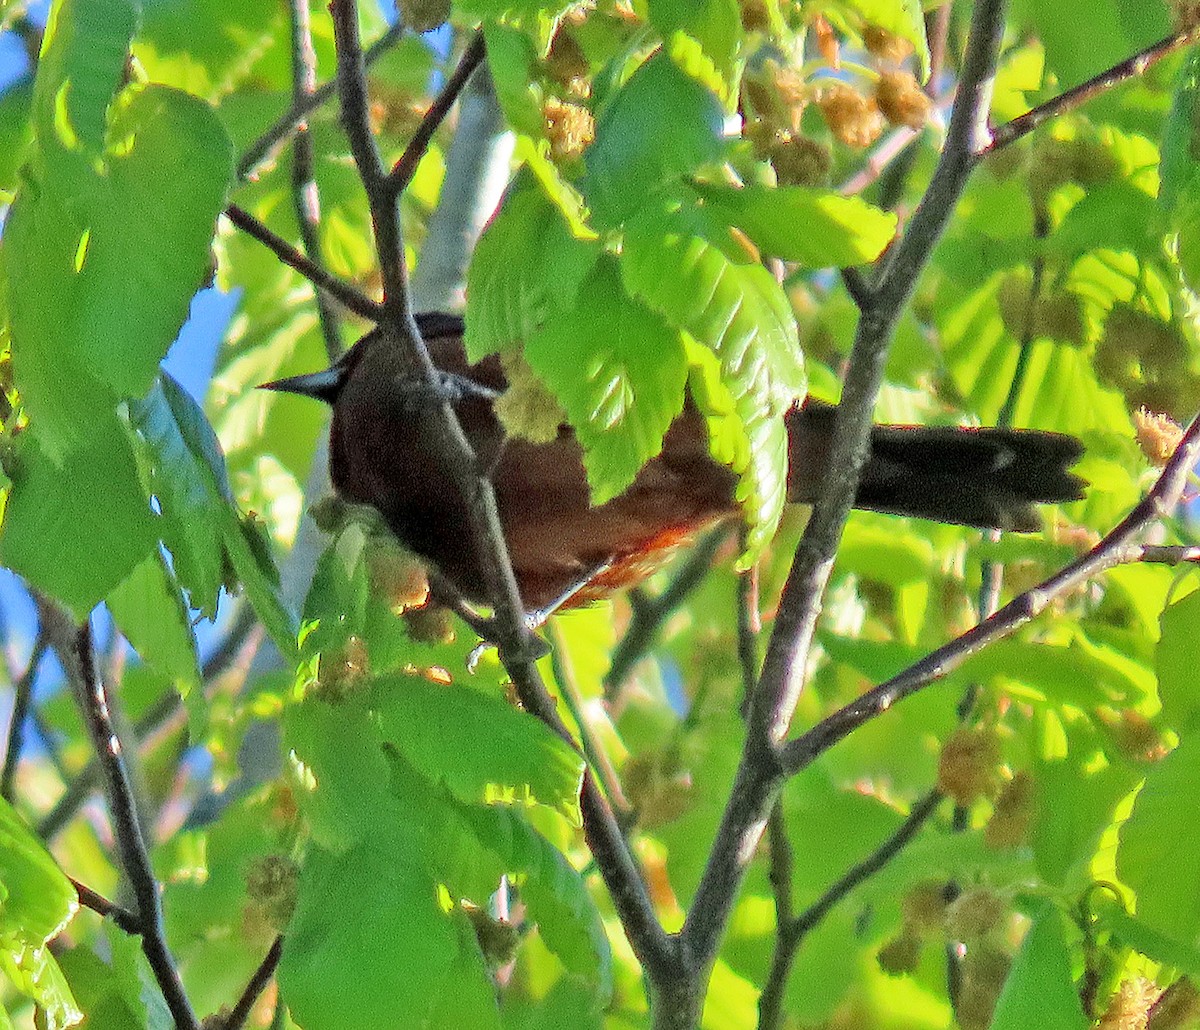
715	24
1175	662
619	372
511	59
818	228
439	731
344	786
34	972
526	268
80	67
36	903
118	993
1114	31
555	893
38	899
183	467
97	296
339	594
736	310
16	130
252	563
1076	802
1039	990
1155	946
170	160
1179	192
660	126
1154	858
212	63
76	529
536	18
371	916
149	609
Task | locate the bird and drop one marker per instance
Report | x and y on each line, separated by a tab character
567	552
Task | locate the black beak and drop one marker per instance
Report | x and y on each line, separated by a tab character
323	386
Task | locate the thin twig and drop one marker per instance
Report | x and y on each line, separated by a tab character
649	614
22	697
98	903
857	286
760	774
165	714
263	149
1130	68
1117	548
306	200
354	299
937	24
404	169
593	750
135	857
254	988
770	1003
516	643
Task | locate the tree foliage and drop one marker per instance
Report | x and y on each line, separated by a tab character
704	806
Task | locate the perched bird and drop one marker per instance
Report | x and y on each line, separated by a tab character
563	550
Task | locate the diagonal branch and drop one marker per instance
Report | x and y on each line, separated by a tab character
76	649
1130	68
760	773
254	988
305	199
1116	548
98	903
513	636
22	696
355	300
264	149
402	173
792	934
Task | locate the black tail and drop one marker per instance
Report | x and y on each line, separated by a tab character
987	478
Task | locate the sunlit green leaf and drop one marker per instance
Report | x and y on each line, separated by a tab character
527	268
150	610
372	916
78	528
1153	857
819	228
1175	664
558	900
659	127
436	729
618	369
736	310
1040	990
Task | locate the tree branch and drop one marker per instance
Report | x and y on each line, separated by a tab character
135	857
306	200
402	172
1117	548
513	636
254	988
355	300
164	714
792	936
1130	68
760	774
264	149
22	696
98	903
